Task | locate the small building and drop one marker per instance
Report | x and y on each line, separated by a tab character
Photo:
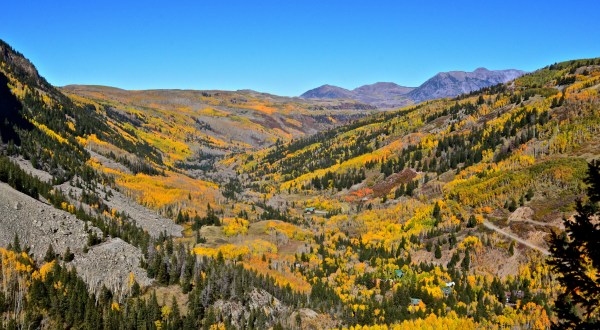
515	294
447	291
399	273
450	284
309	210
519	294
415	301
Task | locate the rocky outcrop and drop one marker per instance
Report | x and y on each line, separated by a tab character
523	213
257	299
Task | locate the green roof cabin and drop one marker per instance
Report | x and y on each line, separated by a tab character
309	210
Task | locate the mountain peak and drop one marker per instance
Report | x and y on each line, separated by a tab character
379	94
328	92
454	83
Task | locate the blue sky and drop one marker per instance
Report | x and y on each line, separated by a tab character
287	47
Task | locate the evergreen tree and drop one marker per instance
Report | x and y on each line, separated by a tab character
438	251
466	262
576	261
135	289
16	243
68	256
437	213
472	222
50	254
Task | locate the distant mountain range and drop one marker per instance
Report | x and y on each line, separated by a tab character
443	84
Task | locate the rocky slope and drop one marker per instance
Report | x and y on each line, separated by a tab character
39	225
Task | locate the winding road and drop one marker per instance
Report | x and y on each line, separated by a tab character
514	237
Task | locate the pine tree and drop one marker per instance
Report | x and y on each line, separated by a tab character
68	256
162	275
16	243
437	213
529	194
50	254
472	222
438	251
466	262
176	322
135	289
576	261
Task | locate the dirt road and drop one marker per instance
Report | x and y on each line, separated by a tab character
514	237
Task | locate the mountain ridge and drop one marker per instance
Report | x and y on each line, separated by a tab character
443	84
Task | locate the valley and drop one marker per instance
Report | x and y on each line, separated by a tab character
181	209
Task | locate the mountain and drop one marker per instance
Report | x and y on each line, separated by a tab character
380	95
453	83
382	89
384	95
387	95
328	92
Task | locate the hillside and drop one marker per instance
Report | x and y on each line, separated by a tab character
222	120
186	209
386	95
442	191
